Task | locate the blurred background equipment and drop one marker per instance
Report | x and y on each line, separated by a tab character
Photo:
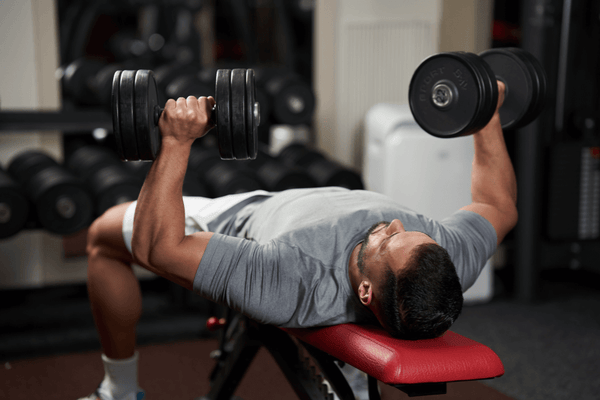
62	203
14	206
324	171
106	177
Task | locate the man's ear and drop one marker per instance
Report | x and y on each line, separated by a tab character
365	292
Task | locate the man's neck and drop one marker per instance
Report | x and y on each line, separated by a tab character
353	272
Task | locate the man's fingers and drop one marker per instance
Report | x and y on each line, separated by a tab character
191	101
170	103
501	93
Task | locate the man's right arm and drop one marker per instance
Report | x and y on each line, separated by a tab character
493	181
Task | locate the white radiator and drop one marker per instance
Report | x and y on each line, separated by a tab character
366	54
429	175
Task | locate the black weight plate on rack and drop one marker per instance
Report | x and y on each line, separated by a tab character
252	121
223	113
127	116
14	206
28	163
512	70
113	185
48	188
238	114
539	85
294	104
457	118
146	99
116	114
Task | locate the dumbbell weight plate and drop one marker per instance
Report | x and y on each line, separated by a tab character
447	97
63	205
146	133
116	112
238	114
223	117
521	86
538	86
488	88
126	115
113	185
14	206
539	83
252	115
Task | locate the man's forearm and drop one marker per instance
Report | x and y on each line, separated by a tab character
159	220
493	180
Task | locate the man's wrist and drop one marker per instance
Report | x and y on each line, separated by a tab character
172	144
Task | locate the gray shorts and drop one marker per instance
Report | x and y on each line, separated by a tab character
199	211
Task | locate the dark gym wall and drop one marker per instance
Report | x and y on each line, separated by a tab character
558	155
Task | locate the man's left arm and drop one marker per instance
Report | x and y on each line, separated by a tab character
159	242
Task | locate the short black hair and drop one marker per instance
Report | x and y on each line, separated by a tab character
425	298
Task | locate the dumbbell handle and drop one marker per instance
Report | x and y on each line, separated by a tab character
158	110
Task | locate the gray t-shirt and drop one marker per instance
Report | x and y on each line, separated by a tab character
282	258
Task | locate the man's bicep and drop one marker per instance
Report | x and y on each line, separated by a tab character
501	222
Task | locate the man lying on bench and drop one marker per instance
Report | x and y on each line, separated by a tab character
294	259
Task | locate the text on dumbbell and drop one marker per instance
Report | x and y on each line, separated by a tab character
462	81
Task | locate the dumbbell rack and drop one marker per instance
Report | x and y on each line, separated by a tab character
65	121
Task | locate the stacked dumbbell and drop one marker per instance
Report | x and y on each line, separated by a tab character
60	200
221	177
193	184
291	97
324	171
14	206
277	176
105	176
89	81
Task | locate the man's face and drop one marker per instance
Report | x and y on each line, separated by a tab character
387	243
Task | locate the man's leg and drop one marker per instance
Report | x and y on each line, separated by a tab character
116	301
113	289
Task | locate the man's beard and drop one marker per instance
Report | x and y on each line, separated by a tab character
361	254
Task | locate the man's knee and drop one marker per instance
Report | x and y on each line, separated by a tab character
106	232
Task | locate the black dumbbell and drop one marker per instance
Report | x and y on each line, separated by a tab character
456	94
62	202
89	82
277	176
106	177
14	206
222	178
323	171
292	99
77	80
136	113
193	185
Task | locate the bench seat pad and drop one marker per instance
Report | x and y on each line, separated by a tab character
371	349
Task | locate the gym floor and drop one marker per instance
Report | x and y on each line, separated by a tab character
49	348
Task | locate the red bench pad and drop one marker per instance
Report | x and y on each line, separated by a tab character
371	349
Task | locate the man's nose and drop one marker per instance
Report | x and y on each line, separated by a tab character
395	226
